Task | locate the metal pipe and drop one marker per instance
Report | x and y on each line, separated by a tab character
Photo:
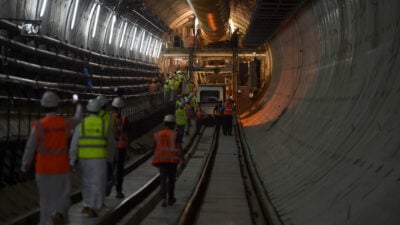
213	16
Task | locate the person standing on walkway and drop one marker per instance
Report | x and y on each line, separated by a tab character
227	108
121	134
167	155
218	115
49	138
180	115
93	144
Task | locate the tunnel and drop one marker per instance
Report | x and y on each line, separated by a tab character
324	129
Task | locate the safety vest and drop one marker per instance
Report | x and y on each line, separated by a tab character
52	136
120	129
180	115
228	108
105	116
153	87
166	150
199	115
93	132
189	112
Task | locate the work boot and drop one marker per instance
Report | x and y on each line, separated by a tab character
164	203
120	195
91	213
85	210
171	201
58	219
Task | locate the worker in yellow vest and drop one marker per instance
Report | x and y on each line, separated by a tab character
180	115
93	144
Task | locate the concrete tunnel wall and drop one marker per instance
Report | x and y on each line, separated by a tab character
326	141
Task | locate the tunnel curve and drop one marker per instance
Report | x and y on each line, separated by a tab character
325	139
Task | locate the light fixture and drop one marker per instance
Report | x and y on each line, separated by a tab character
96	20
74	16
114	18
159	49
142	42
123	35
153	54
90	18
148	45
43	8
133	38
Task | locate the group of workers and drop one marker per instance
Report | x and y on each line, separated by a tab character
57	144
177	83
98	144
223	114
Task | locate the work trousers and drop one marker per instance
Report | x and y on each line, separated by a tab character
120	168
167	179
180	130
227	124
54	196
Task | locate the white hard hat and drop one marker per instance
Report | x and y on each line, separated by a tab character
103	100
49	100
169	118
118	102
93	106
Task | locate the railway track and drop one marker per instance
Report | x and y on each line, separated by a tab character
200	154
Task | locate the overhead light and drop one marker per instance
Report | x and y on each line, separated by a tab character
232	25
153	54
133	38
43	8
74	16
90	18
142	42
119	32
148	45
114	18
123	35
96	20
159	49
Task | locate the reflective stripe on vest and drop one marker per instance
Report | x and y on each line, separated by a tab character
166	150
93	133
228	108
52	136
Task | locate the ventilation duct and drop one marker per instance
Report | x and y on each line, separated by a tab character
213	16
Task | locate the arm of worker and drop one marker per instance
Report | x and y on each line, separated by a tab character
78	115
29	152
73	149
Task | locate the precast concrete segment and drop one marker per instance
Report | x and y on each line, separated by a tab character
326	143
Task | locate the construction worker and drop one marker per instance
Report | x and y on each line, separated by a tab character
218	115
48	140
180	115
93	144
189	115
167	155
227	116
153	85
120	127
199	118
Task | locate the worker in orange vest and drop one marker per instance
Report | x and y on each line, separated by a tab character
167	155
121	134
227	116
48	140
